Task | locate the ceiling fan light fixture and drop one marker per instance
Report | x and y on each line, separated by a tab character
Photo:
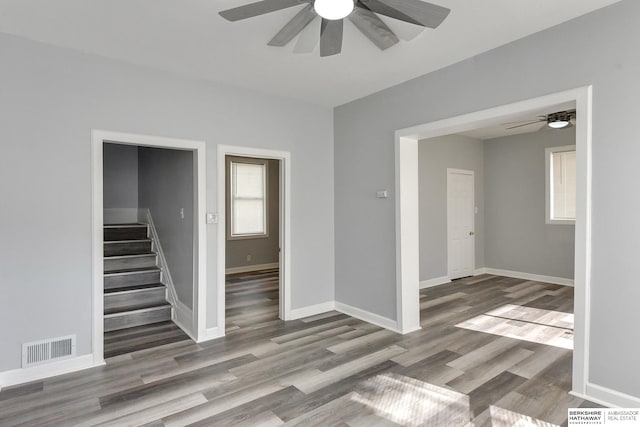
558	124
333	9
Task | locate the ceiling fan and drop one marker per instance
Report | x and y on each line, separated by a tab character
362	13
557	120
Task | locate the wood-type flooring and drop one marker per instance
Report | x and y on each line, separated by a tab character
492	351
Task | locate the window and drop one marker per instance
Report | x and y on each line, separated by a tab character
248	197
561	184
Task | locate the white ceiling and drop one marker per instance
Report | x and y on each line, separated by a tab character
501	128
190	38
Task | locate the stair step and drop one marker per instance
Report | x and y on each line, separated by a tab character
121	262
134	299
127	247
118	279
135	288
125	232
144	316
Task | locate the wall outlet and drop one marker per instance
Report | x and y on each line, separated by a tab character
248	257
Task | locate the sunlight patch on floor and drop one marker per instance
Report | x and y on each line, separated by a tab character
525	323
410	402
505	418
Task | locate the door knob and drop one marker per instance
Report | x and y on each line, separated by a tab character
471	233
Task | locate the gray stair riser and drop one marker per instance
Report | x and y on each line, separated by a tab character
129	320
126	248
129	300
131	279
125	233
124	263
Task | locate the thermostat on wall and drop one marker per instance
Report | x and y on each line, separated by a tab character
382	194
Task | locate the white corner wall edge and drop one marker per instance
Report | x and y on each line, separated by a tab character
249	268
312	310
25	375
367	316
607	397
528	276
434	282
210	334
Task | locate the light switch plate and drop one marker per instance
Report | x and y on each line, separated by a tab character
212	218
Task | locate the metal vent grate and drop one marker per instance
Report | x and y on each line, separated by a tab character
38	352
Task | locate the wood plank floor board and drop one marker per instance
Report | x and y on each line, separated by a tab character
330	369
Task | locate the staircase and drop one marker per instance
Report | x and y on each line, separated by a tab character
133	292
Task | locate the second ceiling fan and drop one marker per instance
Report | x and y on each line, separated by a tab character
362	13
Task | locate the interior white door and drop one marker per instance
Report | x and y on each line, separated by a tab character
460	223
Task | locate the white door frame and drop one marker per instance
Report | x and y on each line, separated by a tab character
451	171
285	224
98	138
407	247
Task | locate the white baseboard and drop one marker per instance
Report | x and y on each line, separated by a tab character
608	397
367	316
528	276
120	215
312	310
210	334
25	375
479	271
434	282
248	268
183	317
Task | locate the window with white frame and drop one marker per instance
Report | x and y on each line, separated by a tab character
248	199
561	184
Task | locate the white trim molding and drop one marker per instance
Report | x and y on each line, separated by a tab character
407	236
250	268
529	276
607	397
367	316
210	334
430	283
285	226
312	310
406	168
183	317
25	375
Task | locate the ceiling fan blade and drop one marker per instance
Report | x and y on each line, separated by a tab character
371	26
331	37
258	8
525	124
413	11
540	119
293	27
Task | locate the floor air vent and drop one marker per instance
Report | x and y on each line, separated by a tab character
38	352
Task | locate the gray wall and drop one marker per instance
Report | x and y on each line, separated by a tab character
435	156
598	49
165	186
120	182
517	237
263	250
51	99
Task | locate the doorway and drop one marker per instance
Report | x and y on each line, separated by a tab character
460	223
191	320
240	231
407	247
252	223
